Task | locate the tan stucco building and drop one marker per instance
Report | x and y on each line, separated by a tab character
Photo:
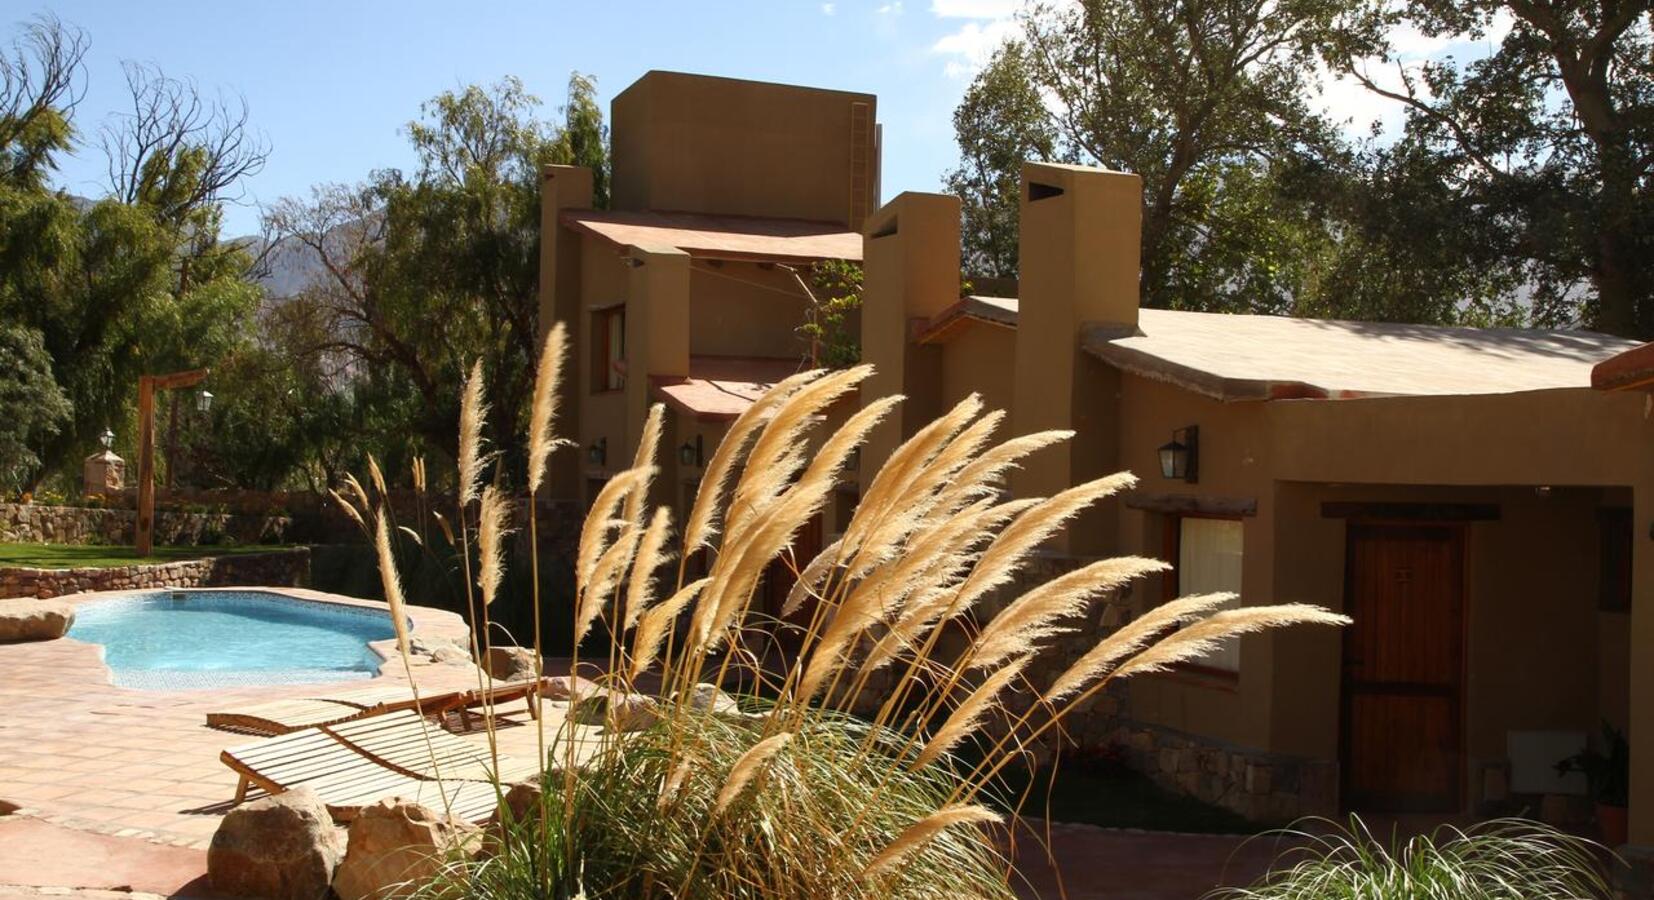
1468	496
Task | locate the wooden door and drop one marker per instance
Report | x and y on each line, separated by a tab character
1403	735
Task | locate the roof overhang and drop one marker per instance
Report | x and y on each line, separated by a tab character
990	311
1632	370
720	388
734	238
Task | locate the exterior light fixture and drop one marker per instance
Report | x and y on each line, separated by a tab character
204	401
107	439
1180	459
598	453
689	454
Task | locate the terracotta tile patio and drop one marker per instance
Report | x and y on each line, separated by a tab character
78	751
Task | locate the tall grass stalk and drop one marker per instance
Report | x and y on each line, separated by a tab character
793	796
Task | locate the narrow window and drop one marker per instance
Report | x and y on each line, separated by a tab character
609	349
1207	553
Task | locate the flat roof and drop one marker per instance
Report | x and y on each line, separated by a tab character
708	236
1253	357
719	388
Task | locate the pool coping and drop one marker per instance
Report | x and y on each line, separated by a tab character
425	622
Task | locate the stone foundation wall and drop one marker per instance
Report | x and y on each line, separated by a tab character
1264	787
33	523
281	568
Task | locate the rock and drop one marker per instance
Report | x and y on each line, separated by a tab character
511	663
34	620
633	712
566	687
707	697
282	847
451	655
396	847
622	712
522	804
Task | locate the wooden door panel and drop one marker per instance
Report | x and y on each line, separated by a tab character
1414	772
1403	663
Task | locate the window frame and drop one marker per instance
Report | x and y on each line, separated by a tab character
1171	587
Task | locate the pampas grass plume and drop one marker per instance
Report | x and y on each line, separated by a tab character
923	831
543	411
747	768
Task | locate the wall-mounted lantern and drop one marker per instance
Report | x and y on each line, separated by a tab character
598	453
690	453
203	402
1180	459
107	439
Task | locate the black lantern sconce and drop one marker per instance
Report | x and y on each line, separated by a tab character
598	453
1180	459
689	454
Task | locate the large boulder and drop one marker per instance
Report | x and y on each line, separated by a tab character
34	620
510	663
520	808
708	698
395	848
282	847
571	687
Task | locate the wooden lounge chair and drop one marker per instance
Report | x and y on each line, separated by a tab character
286	716
401	741
348	778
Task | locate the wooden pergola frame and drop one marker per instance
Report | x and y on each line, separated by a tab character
147	386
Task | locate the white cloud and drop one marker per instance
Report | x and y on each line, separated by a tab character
974	9
828	9
972	45
891	9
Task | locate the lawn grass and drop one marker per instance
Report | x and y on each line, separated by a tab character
71	556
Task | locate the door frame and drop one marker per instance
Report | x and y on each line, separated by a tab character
1458	532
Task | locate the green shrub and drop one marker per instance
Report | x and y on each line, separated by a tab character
1505	859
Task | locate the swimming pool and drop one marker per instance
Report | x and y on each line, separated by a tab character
177	640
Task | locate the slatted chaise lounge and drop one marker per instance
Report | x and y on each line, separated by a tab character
285	716
344	766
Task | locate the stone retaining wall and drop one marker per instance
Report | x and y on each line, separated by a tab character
34	523
280	568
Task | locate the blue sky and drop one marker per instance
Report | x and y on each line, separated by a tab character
332	84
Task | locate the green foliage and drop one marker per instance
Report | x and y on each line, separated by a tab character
131	284
32	406
425	271
835	292
1000	123
1549	139
1505	859
1607	769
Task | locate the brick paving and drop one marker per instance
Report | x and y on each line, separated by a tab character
80	752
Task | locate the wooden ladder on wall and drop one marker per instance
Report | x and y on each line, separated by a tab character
861	163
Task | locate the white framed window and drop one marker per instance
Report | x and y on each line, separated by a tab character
1208	558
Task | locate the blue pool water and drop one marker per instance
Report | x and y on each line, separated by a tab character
166	640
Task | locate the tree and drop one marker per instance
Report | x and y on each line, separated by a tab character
421	273
32	406
129	284
1205	100
1000	123
1551	137
40	85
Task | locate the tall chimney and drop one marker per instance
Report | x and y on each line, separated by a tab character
910	266
562	187
1079	250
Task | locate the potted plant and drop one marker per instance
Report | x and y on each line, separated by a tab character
1607	774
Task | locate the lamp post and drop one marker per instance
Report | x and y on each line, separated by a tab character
147	386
